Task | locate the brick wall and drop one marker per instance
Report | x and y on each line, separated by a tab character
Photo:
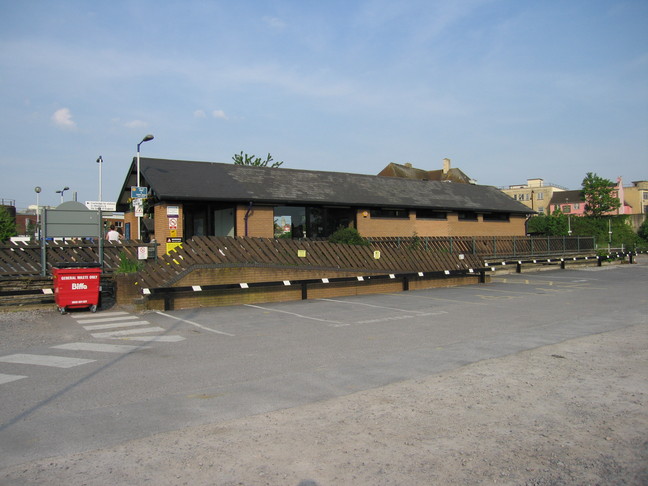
260	223
385	227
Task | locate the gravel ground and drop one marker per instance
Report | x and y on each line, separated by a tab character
570	413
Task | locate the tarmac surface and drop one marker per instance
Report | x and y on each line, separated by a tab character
537	378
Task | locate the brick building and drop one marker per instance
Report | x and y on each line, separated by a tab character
187	198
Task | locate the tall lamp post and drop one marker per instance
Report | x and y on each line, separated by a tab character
147	138
100	162
37	190
62	191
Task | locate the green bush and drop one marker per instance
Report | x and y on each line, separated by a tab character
349	236
643	230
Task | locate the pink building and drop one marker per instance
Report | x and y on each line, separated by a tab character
571	202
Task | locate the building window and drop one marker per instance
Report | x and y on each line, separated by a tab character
290	222
540	196
390	213
566	208
431	214
645	196
467	216
501	217
541	209
576	206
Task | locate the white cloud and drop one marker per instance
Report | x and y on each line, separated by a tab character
219	114
199	114
136	124
274	23
63	118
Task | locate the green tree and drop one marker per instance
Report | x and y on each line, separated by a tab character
245	159
643	230
549	224
7	225
598	194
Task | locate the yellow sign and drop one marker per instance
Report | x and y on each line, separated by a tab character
377	255
173	233
301	253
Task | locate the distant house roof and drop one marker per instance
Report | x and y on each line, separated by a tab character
406	171
565	197
178	180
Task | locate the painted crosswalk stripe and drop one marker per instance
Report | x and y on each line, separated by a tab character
114	325
9	378
99	347
45	360
107	319
173	338
130	332
100	315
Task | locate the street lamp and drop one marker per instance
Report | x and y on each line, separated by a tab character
100	162
62	191
37	190
147	138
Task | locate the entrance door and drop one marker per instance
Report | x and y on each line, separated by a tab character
224	222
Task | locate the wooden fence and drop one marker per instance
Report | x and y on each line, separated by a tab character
494	246
211	251
24	259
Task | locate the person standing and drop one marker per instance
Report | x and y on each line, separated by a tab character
113	234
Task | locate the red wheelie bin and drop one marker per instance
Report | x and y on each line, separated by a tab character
77	287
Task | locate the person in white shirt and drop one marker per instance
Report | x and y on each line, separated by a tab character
113	234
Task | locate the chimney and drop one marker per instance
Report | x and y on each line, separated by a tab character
446	165
408	165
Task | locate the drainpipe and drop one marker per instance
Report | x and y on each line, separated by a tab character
247	215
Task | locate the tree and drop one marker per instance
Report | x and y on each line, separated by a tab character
7	225
598	194
643	230
245	159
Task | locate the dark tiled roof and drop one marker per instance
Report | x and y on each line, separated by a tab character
407	172
563	197
177	180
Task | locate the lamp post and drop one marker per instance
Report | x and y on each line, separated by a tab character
147	138
62	191
37	190
100	162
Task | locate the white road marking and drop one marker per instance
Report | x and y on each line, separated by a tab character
163	339
116	324
45	360
107	319
296	315
378	306
195	324
130	332
100	347
100	315
9	378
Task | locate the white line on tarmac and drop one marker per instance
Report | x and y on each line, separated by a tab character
130	332
296	315
45	360
195	324
9	378
116	324
100	347
173	338
106	319
378	306
101	315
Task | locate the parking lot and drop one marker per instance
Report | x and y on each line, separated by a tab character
127	376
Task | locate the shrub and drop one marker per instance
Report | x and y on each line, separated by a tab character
126	265
349	236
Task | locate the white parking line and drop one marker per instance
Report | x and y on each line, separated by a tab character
116	324
378	306
10	378
162	339
338	323
195	324
45	360
100	347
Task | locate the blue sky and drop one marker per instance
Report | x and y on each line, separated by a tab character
507	89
